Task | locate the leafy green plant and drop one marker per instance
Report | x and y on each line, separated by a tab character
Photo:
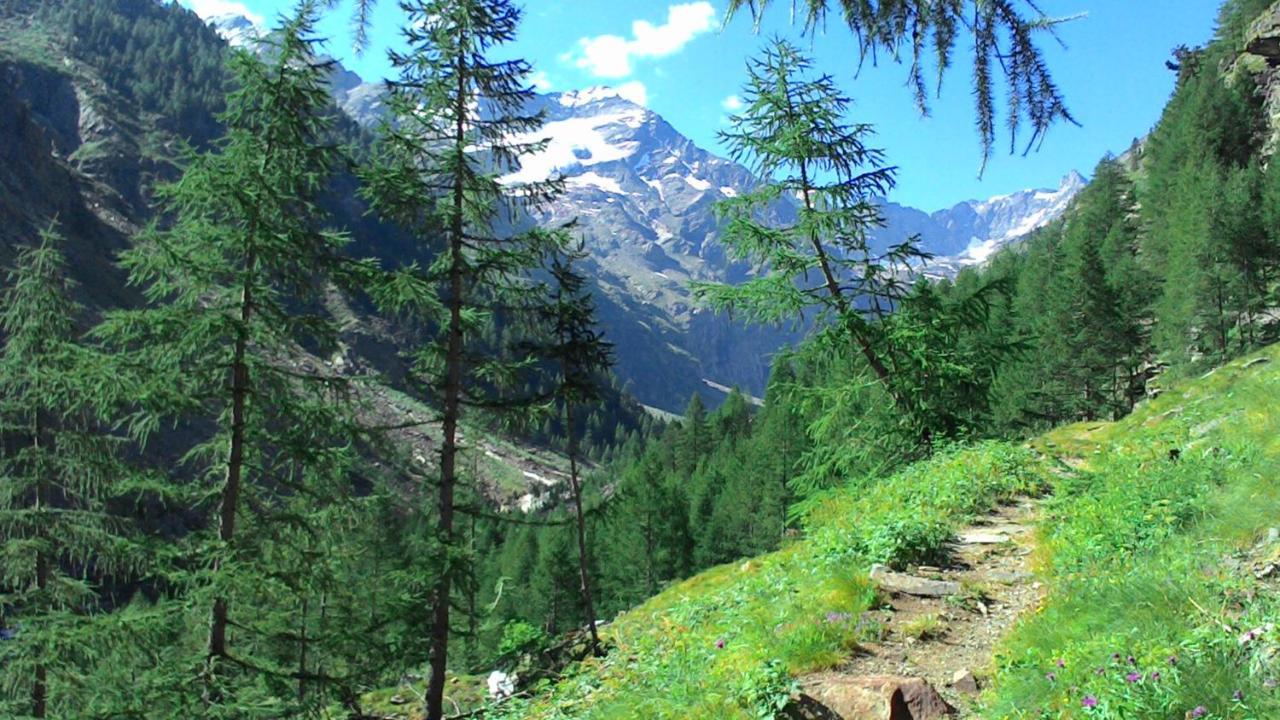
765	692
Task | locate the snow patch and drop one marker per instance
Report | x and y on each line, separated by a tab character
590	179
728	192
570	143
698	183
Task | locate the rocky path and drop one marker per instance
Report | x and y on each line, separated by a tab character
939	625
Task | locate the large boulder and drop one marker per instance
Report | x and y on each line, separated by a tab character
870	697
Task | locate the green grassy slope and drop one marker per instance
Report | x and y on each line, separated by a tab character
1155	559
1132	551
724	643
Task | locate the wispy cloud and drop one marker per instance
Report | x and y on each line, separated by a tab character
733	103
611	56
213	8
635	91
540	81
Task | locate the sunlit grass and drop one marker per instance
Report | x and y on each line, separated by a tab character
697	649
1147	556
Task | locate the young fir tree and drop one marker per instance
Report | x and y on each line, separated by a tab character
794	133
580	355
59	468
231	281
458	122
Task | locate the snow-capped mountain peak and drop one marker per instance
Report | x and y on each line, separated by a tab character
1004	219
237	30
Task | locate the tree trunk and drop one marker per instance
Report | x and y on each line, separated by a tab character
583	575
452	395
235	456
40	685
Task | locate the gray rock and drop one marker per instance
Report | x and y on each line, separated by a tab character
1014	577
983	538
912	585
964	681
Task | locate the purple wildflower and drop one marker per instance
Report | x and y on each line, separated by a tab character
1089	701
1199	712
1173	659
720	643
1051	676
1132	660
1155	676
1115	657
1238	695
1062	663
1100	671
1133	677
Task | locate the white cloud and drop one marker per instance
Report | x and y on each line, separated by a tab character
733	103
213	8
635	91
611	56
540	81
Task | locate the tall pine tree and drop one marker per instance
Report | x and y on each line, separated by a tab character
457	123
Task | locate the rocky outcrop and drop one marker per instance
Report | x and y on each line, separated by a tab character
1263	39
1260	61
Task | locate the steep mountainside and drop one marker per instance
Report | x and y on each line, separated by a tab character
75	147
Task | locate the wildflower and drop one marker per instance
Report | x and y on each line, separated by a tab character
1238	695
1051	676
1100	671
1062	663
1115	657
720	643
1155	677
1199	712
1173	659
1089	701
1132	660
1133	677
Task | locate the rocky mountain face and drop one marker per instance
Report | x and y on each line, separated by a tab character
970	232
643	196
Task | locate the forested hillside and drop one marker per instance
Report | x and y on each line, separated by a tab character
305	419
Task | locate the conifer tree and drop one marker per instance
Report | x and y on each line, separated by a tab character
581	356
59	469
795	134
458	122
231	283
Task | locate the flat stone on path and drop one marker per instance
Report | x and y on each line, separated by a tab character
912	585
976	537
1014	577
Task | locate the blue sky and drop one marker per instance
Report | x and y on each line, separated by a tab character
677	58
